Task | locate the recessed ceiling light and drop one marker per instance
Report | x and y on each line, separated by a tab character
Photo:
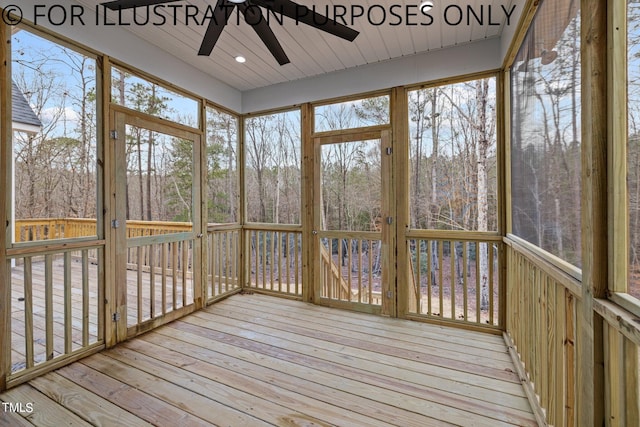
237	1
241	59
426	6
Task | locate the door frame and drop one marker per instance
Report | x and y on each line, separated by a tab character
115	221
389	290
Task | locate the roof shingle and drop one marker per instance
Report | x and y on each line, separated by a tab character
21	110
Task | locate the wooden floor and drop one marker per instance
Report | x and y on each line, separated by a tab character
257	360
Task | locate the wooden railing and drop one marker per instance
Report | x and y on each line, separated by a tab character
56	309
542	327
351	267
164	281
274	257
457	280
334	282
29	230
224	261
621	347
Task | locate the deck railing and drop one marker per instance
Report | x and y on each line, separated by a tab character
29	230
542	322
351	267
224	261
543	326
274	256
55	311
457	279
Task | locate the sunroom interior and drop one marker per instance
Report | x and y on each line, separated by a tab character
436	223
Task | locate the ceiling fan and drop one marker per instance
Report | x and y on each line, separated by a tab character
253	15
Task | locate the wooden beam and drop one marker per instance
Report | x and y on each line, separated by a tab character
617	147
103	92
5	202
590	359
308	205
199	218
200	296
118	302
400	126
388	241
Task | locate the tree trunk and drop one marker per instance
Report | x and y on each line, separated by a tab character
482	89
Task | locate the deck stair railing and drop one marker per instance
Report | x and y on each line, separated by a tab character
334	279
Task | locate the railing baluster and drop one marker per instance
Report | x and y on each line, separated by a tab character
430	274
370	284
185	270
152	281
85	297
297	265
227	264
139	282
440	274
452	282
465	272
360	254
286	250
48	304
68	307
490	254
28	311
264	260
220	268
165	256
479	253
174	272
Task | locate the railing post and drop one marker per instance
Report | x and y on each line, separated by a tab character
590	373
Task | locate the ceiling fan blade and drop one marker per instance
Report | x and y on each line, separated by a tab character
314	19
220	18
254	17
129	4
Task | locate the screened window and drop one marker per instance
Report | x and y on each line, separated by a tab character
633	146
545	139
352	114
54	140
452	131
222	167
159	183
147	97
272	171
351	186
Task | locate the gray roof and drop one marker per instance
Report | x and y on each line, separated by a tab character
21	110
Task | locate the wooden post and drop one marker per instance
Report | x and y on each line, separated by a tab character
103	89
389	284
118	287
108	200
5	204
590	363
199	218
617	152
504	187
308	206
399	126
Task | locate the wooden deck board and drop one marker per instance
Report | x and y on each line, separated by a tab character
399	339
260	360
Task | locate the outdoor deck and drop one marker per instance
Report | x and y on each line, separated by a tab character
260	360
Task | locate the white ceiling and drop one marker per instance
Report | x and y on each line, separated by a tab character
313	52
322	66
